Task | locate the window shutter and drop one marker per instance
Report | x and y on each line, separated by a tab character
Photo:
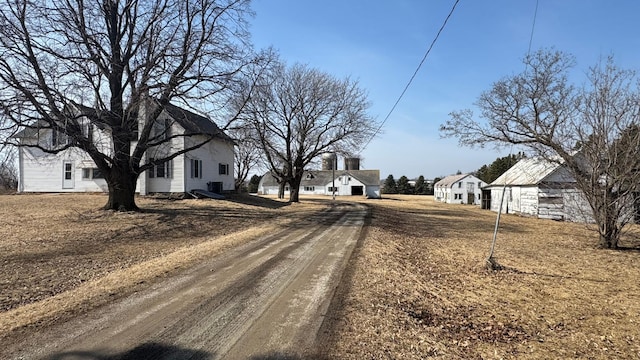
152	170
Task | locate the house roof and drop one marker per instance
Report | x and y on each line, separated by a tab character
528	171
191	122
324	177
448	181
194	123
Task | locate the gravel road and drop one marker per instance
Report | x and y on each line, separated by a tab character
263	300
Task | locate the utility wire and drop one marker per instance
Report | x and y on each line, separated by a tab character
412	76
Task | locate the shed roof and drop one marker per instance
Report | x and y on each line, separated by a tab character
528	171
448	181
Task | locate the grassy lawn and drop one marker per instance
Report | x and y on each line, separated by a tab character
418	289
60	254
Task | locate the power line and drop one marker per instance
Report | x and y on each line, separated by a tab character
412	76
533	26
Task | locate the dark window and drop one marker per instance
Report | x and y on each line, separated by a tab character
196	169
223	169
162	170
68	168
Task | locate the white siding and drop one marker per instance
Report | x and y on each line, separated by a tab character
529	200
43	172
212	155
458	192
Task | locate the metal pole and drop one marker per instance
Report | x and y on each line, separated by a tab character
333	175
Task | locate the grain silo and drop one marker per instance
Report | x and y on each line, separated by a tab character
352	163
329	161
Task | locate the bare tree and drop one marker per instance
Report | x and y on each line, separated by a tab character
8	171
592	130
127	60
298	113
248	155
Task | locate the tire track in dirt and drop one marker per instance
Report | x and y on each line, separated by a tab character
266	297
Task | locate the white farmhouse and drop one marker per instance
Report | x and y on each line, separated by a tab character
539	188
72	170
459	189
321	182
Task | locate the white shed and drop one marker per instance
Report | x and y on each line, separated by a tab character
459	189
540	188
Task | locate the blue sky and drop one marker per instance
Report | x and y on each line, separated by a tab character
380	44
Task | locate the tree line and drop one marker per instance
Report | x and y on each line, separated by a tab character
403	186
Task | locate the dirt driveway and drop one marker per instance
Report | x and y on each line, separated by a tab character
264	299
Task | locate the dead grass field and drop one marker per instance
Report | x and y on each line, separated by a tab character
415	288
60	254
418	289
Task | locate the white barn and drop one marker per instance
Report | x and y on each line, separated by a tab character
459	189
72	170
321	182
539	188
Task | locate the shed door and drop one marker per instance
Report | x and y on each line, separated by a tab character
67	175
486	199
357	190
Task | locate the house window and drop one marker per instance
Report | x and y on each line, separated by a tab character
161	170
479	184
68	171
59	138
87	131
91	173
457	196
97	174
470	187
223	169
459	185
161	129
332	189
309	188
196	169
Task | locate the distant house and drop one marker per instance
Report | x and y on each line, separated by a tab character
72	170
321	182
459	189
539	188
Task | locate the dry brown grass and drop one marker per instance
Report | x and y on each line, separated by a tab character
59	254
419	289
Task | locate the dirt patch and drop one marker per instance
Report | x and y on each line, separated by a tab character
418	289
59	254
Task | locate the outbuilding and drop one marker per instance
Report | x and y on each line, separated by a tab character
540	188
459	189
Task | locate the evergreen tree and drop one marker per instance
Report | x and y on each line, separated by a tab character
390	186
421	186
488	173
403	186
253	183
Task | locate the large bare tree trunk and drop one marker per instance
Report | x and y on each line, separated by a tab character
122	191
294	191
